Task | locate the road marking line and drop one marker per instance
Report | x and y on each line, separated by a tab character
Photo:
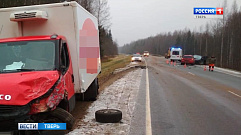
234	94
148	110
229	74
191	73
225	72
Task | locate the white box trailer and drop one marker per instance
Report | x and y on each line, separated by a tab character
48	54
65	19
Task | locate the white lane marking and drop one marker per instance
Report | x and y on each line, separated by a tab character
232	73
148	109
229	74
234	94
227	70
191	73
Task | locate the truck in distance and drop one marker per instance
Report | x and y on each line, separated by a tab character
168	54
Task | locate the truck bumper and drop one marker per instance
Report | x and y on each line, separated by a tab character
10	116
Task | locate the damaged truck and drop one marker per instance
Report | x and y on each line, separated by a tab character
49	56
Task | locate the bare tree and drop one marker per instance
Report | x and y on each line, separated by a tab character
225	13
206	38
87	4
201	29
102	13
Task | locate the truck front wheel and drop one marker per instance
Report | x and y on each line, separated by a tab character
64	116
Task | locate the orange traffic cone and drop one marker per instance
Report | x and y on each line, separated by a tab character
175	63
167	61
171	63
185	65
205	68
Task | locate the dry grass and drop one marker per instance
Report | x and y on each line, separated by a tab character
108	65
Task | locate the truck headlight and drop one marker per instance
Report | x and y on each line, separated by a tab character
40	103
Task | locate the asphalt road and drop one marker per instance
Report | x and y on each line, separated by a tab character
187	101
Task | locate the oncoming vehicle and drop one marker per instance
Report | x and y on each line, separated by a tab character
187	59
146	54
176	54
136	57
42	73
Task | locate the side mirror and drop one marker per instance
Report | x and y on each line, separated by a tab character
63	68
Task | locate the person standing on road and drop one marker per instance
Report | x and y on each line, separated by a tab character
212	61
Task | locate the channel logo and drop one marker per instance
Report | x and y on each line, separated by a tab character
208	13
41	126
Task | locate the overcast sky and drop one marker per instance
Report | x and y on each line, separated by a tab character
137	19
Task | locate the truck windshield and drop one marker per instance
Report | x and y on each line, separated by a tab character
27	56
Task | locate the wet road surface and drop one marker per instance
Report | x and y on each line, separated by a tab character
187	101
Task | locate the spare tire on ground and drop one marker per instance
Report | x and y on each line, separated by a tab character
108	116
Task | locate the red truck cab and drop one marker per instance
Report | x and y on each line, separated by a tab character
33	76
41	72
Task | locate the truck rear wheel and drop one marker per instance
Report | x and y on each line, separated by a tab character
92	92
64	116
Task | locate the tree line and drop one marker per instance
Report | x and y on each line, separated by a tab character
220	38
99	8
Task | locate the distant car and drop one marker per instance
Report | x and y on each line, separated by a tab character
187	59
136	57
146	54
198	59
205	60
201	60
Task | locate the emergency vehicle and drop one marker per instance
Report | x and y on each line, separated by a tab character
176	54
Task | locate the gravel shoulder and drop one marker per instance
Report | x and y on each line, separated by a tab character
121	95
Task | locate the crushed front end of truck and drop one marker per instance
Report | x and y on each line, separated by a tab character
31	84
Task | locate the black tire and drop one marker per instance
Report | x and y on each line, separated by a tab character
92	92
64	116
108	116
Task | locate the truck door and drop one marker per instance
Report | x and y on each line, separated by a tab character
67	74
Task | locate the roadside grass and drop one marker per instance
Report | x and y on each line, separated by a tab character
108	65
